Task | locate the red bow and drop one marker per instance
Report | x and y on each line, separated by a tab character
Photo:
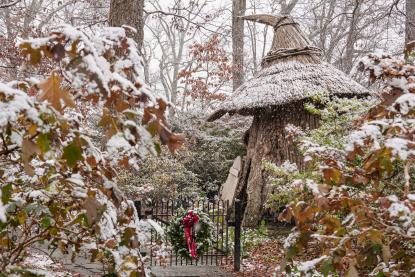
189	222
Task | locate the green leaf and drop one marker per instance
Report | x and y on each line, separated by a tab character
72	154
127	235
292	251
327	267
158	148
46	222
21	217
53	231
6	193
43	143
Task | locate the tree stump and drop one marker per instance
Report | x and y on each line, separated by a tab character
268	141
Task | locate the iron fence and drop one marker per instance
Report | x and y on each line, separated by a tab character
163	212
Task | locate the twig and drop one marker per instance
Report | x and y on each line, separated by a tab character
184	18
10	4
407	178
8	151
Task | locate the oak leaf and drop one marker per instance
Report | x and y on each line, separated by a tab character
29	148
52	92
92	207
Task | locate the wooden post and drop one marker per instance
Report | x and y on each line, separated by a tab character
137	205
237	240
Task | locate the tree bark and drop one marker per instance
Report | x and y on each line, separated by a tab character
347	61
238	10
268	141
128	12
286	8
409	26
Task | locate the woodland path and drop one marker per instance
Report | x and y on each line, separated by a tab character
189	271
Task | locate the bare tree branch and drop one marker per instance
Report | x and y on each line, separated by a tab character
3	6
184	18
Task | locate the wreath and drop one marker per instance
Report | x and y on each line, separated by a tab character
191	233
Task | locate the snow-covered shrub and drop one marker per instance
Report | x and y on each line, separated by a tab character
282	185
212	148
163	177
57	186
360	219
197	170
337	116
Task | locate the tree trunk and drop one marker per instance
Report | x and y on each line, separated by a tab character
268	141
128	12
286	8
347	61
409	26
238	9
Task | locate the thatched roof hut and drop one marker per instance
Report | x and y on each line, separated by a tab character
291	73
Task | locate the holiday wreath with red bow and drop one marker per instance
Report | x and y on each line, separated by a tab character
191	233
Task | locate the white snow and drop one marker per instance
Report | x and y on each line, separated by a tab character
310	265
2	211
400	147
38	195
405	102
117	143
398	210
313	186
18	103
287	82
156	227
393	198
291	239
290	167
369	130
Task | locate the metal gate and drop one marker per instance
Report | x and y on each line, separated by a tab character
163	213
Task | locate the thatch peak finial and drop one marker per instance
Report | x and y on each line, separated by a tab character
271	20
266	19
289	43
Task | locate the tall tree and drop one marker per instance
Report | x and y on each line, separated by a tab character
410	24
128	12
174	29
352	37
287	7
238	10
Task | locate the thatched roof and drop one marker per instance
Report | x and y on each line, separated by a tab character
292	71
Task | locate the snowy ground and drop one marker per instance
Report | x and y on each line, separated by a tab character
60	265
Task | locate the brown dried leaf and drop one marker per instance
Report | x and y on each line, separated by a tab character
58	52
34	54
332	175
108	122
386	253
29	148
52	92
92	207
352	272
174	141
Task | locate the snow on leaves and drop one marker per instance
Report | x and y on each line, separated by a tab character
56	185
361	213
51	91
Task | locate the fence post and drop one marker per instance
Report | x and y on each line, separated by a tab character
237	240
137	205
